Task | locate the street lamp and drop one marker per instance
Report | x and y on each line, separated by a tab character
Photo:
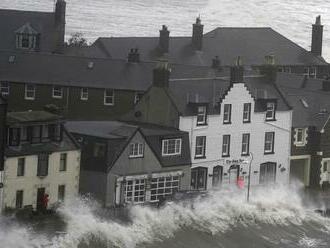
249	181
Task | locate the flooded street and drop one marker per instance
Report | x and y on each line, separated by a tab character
273	218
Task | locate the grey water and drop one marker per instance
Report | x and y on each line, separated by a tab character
97	18
276	216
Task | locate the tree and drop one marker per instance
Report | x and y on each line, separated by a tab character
77	39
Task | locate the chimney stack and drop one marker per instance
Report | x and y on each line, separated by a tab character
164	39
269	69
237	72
60	9
317	37
197	36
161	74
133	56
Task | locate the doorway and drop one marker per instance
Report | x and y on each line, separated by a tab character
267	173
233	174
199	178
40	196
217	175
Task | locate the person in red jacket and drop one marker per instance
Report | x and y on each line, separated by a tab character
45	201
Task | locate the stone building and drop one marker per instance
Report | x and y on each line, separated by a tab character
41	158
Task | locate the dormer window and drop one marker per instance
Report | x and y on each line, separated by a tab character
171	147
201	115
57	92
27	38
310	72
270	111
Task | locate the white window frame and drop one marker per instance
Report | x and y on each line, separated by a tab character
200	147
303	132
163	186
137	190
247	113
108	96
245	144
201	112
27	91
57	92
136	150
227	114
84	95
310	72
270	142
31	39
4	88
226	145
270	108
177	147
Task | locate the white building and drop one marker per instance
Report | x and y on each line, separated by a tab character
229	121
246	128
41	158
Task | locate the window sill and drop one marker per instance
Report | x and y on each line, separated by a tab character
269	153
109	104
57	97
300	144
29	99
245	155
270	120
84	99
133	157
227	123
200	157
226	156
201	124
245	122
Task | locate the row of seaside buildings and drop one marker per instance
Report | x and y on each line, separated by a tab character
133	120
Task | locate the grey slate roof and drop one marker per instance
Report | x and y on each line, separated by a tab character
119	133
252	44
31	116
187	93
41	22
74	71
67	144
311	105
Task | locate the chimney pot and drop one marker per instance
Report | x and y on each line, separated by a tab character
164	39
237	72
197	36
161	74
317	37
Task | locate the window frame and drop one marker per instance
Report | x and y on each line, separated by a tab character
139	147
7	87
62	198
248	112
20	167
106	96
43	157
177	150
272	111
63	162
271	151
202	147
19	202
84	95
304	135
202	114
227	113
225	152
27	91
56	90
245	144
